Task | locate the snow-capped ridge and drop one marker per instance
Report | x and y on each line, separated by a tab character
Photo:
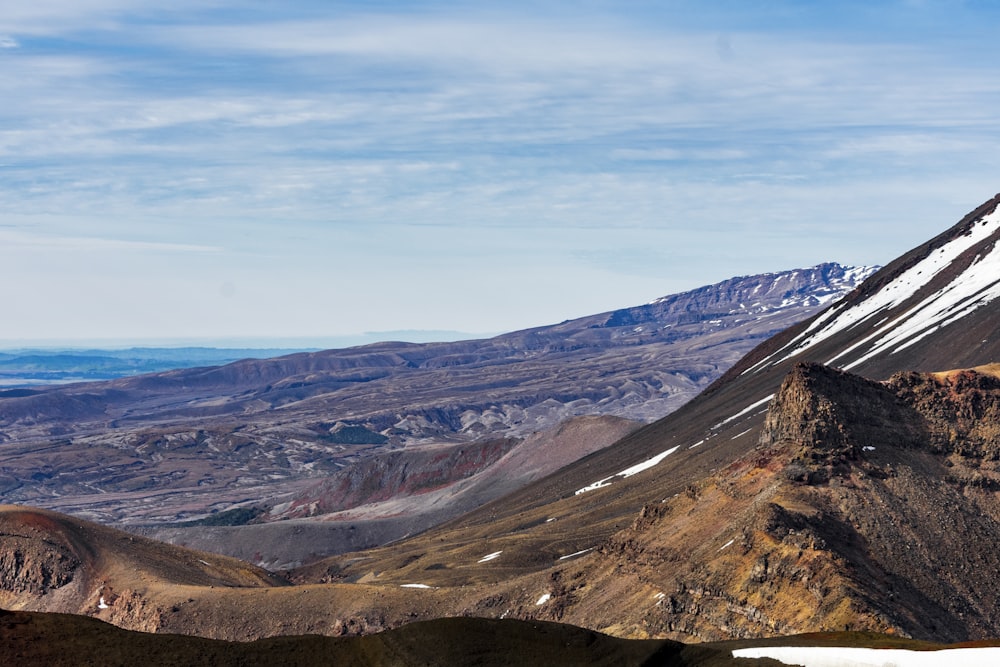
839	280
974	287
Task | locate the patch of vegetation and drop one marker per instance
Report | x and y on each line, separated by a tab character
238	516
354	435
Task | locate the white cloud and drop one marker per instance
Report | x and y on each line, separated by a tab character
18	238
480	142
659	154
904	145
59	17
498	43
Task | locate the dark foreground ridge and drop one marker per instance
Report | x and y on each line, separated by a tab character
59	640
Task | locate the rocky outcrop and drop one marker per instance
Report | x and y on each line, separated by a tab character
26	569
830	418
961	410
833	417
865	506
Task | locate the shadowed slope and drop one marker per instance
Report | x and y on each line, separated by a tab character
59	640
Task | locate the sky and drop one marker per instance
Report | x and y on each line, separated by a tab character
229	172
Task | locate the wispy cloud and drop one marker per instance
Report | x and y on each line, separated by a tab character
25	239
431	134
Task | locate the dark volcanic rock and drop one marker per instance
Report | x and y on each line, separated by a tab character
25	569
833	416
961	409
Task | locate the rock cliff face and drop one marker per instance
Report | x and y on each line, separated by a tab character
866	506
26	570
835	416
961	409
830	418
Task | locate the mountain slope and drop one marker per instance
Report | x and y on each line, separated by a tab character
53	562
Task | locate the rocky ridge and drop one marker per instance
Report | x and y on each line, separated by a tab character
837	520
866	506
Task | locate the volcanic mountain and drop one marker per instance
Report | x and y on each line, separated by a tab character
789	496
396	434
841	476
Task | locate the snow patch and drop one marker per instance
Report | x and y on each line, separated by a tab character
102	604
578	553
628	472
977	286
415	586
839	656
727	544
542	600
489	557
745	411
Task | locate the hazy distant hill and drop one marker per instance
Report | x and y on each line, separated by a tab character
34	367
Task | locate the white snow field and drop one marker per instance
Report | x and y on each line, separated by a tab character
834	656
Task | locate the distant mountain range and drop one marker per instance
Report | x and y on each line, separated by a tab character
307	434
841	477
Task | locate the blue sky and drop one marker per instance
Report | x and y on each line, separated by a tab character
222	170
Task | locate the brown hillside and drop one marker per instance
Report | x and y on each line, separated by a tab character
52	562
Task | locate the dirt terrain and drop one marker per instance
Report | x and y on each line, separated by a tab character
281	541
833	521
